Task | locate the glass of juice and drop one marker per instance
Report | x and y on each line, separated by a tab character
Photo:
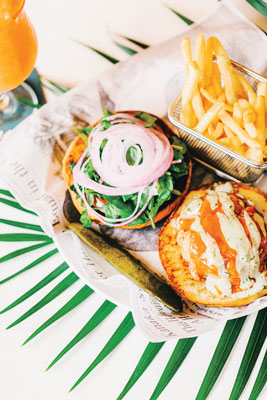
18	51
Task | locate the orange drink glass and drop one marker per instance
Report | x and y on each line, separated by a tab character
18	51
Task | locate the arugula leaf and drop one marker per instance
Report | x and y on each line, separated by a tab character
91	172
175	141
151	221
165	182
103	144
106	113
115	199
83	133
72	165
142	219
116	208
131	155
165	188
105	124
164	196
126	197
151	203
179	169
147	118
85	220
111	210
87	130
90	196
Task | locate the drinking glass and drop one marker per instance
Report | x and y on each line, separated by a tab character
18	51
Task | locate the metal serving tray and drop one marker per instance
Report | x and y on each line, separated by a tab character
225	162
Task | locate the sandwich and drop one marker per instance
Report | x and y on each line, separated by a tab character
128	170
214	246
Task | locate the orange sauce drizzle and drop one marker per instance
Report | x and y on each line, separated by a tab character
196	248
210	223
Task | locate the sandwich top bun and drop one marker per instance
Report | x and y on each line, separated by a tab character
168	189
214	246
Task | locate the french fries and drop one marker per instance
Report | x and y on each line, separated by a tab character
220	103
208	117
186	52
191	82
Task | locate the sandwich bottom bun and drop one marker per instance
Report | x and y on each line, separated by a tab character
77	148
175	251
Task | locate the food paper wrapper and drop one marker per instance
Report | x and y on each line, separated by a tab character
31	157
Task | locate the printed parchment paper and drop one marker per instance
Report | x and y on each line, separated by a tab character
31	157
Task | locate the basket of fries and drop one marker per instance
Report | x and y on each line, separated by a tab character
221	112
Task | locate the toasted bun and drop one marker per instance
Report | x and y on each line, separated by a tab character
74	153
177	268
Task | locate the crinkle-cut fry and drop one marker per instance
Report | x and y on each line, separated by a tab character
262	91
234	140
208	62
236	128
187	116
208	117
237	113
191	83
259	107
186	53
248	89
198	105
225	70
218	131
206	94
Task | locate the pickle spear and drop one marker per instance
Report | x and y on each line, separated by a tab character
128	265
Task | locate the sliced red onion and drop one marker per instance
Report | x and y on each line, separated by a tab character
112	166
79	178
152	147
